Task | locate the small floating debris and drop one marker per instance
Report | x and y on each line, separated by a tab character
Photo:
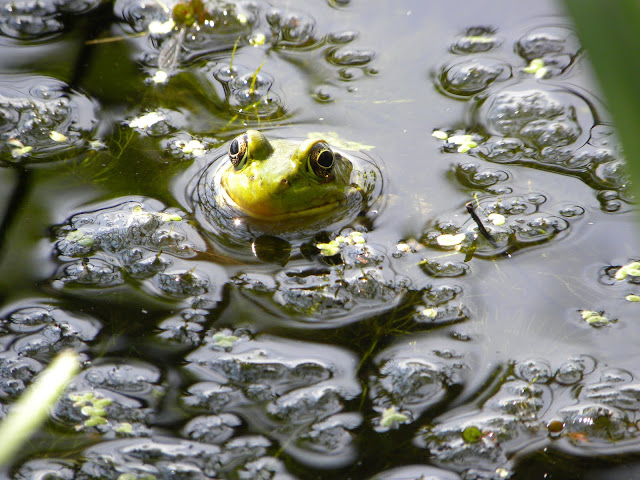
332	248
161	28
448	240
20	149
440	135
223	340
595	319
403	247
632	269
429	312
92	407
193	147
485	233
97	145
391	417
147	120
160	77
57	136
258	40
80	237
537	68
497	219
465	142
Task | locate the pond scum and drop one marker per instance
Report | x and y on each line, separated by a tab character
355	352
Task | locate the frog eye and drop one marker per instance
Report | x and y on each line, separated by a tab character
238	151
321	160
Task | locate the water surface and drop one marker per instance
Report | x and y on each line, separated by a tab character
397	358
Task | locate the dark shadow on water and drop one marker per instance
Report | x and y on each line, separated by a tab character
16	199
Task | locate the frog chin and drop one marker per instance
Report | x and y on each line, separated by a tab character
290	215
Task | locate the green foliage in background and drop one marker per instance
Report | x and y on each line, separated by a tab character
610	31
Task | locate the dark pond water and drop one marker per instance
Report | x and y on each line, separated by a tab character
417	348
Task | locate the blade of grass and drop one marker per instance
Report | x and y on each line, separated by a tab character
610	31
32	408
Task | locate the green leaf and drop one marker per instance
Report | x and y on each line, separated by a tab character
609	32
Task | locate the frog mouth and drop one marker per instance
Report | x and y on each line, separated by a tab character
292	215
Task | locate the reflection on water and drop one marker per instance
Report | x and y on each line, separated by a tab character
398	341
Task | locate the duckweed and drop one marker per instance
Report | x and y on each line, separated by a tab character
92	407
630	269
537	68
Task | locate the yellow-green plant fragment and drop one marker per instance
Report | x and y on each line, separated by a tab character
258	40
478	39
95	421
170	217
497	219
390	416
632	269
594	318
431	312
448	240
32	408
536	67
329	249
147	120
440	135
160	77
160	28
57	136
124	427
225	341
80	399
465	142
21	151
80	237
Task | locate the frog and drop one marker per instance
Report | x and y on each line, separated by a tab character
288	188
284	181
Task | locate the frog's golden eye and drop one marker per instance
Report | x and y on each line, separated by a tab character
239	151
321	160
